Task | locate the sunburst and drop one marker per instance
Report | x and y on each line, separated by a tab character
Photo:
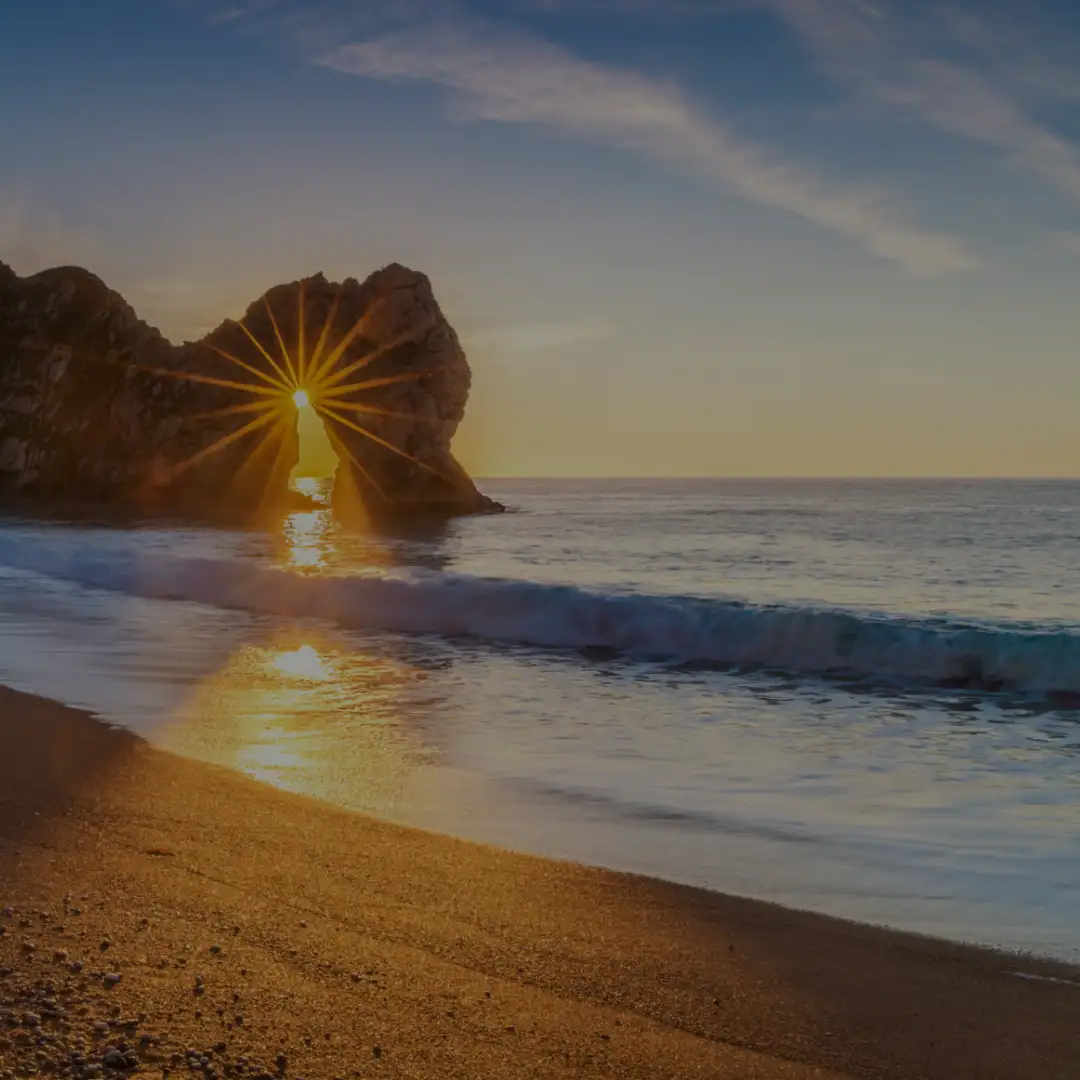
298	379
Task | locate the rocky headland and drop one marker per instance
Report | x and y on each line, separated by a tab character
99	410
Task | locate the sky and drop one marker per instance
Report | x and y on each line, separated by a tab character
676	237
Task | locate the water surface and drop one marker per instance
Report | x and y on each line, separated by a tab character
861	698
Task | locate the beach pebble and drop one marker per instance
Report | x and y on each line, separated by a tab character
111	979
76	966
215	949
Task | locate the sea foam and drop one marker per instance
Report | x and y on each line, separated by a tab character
1017	658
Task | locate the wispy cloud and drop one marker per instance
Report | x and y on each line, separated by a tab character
515	78
884	52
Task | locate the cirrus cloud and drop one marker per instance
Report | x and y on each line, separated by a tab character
517	78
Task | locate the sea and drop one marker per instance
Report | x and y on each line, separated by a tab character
854	697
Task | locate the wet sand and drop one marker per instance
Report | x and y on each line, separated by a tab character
183	915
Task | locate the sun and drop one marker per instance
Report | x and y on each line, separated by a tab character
301	399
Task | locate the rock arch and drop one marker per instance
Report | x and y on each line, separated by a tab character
97	407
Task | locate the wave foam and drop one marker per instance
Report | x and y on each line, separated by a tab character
1017	659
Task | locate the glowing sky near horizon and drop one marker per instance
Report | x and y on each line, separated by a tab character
677	237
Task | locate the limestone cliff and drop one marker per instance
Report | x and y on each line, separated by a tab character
96	407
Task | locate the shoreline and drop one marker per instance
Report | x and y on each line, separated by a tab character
339	933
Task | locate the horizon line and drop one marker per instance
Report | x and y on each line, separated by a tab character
896	478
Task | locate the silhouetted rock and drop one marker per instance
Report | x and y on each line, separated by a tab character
97	407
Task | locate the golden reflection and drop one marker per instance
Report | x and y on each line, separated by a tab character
308	714
309	540
304	663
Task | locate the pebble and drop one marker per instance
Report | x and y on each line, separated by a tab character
111	979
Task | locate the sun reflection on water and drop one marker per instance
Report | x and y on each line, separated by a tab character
309	539
304	663
308	715
311	486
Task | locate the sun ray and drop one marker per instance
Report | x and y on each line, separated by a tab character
235	410
340	444
301	362
220	444
369	410
379	440
274	437
335	393
281	342
269	359
338	350
210	380
324	334
368	358
276	383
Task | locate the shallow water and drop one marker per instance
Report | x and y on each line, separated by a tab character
854	697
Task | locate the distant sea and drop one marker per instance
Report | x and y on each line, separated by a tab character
856	697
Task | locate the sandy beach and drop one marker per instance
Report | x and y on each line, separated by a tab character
160	915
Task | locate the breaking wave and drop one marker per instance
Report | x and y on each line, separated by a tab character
1018	658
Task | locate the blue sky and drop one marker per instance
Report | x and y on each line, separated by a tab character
748	237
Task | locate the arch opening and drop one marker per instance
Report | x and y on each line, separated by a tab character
317	462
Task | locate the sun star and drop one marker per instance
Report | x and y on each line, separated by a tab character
305	379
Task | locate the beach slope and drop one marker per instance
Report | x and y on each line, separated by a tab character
161	914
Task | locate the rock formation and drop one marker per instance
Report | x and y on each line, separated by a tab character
98	408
